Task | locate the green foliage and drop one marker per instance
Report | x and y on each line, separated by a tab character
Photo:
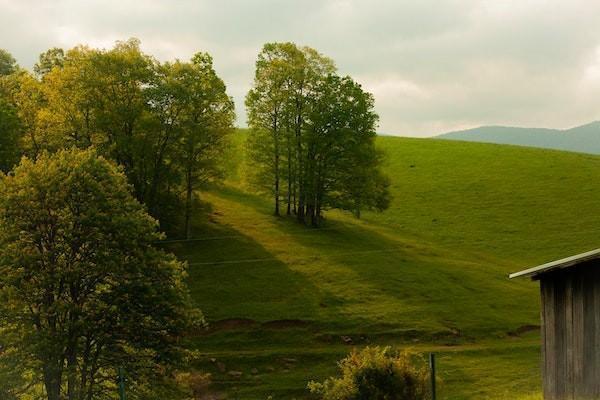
166	124
376	374
312	136
83	289
8	64
10	129
51	58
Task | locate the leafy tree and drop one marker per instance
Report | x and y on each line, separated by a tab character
342	163
207	121
23	97
51	58
376	374
266	103
9	135
83	290
8	64
164	123
319	124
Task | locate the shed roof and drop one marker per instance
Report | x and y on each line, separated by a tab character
558	264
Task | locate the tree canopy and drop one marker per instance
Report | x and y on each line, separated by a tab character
312	135
165	123
83	290
8	64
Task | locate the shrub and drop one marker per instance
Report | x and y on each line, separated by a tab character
377	374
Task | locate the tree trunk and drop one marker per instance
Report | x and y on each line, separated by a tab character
299	165
188	202
52	380
290	177
72	376
276	183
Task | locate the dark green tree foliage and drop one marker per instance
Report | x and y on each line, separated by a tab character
83	290
10	125
51	58
8	64
10	129
312	135
376	374
166	124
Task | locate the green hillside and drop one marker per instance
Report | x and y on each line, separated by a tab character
284	302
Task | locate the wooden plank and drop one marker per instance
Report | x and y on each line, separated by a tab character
596	279
547	285
543	335
578	329
560	353
589	335
567	295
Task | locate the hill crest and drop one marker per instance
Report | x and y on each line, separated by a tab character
583	139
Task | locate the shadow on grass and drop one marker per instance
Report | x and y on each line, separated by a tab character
402	289
346	279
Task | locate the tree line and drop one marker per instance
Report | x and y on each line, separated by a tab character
311	143
165	123
100	147
312	136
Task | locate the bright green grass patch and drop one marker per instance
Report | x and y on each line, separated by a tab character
521	205
430	273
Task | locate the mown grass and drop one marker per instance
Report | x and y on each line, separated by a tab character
285	301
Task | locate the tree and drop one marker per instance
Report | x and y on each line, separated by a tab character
10	129
165	123
342	164
206	122
51	58
83	290
266	103
8	64
23	98
319	124
376	374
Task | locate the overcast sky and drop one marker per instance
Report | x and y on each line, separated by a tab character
433	65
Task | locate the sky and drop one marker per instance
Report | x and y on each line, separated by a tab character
433	65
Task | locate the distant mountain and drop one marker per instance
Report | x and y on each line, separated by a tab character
584	139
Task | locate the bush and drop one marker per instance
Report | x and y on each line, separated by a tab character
377	374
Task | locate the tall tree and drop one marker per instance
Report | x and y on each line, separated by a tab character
206	123
309	72
321	125
139	113
8	64
10	131
266	103
342	162
51	58
23	94
83	289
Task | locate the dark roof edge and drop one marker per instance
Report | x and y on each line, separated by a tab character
558	264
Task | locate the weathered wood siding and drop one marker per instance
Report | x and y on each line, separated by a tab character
571	332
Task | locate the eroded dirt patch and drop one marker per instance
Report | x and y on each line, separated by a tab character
285	324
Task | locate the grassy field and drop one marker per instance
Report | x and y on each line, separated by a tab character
284	302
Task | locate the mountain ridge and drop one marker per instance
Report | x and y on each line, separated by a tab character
582	139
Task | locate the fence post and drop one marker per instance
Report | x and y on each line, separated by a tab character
432	374
122	384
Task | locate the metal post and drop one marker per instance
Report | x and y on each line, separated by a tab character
432	374
122	385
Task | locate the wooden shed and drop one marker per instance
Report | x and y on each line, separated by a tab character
570	325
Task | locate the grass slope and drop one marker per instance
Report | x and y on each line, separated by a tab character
285	302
